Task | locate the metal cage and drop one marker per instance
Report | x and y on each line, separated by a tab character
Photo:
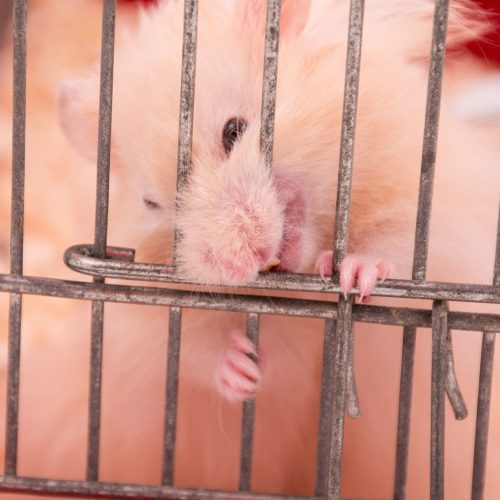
338	389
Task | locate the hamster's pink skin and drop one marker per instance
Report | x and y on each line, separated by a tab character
235	217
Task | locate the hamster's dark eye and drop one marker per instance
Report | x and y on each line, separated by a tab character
152	205
232	131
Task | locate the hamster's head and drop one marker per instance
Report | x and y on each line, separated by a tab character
236	216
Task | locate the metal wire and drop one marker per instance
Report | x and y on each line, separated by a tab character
421	235
171	393
101	227
16	232
186	111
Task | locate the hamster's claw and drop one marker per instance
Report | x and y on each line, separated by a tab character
238	375
365	271
324	264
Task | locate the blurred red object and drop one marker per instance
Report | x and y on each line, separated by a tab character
488	47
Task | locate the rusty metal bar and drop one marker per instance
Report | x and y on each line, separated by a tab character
430	138
452	388
84	489
240	303
186	111
101	227
248	417
405	394
439	359
16	232
78	259
270	81
351	87
421	233
339	388
326	408
483	415
171	393
484	395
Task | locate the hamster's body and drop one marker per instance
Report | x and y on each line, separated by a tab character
235	218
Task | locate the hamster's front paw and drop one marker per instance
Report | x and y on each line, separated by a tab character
238	375
355	269
364	271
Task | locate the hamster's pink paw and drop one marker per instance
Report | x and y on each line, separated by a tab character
238	375
364	271
324	263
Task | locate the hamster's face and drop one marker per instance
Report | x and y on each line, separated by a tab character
236	217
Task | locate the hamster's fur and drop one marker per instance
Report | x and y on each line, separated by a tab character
235	217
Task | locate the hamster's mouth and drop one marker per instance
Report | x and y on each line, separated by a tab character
289	255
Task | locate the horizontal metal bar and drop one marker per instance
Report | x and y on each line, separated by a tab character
240	303
79	259
117	490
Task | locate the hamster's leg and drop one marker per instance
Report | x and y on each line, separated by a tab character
360	269
238	374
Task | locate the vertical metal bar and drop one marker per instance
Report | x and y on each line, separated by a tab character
421	234
270	80
484	395
405	394
483	415
16	232
248	417
430	139
326	408
348	132
101	225
171	395
342	339
439	362
186	112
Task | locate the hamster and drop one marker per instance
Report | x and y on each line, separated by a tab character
236	218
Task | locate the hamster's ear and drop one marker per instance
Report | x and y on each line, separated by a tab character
77	108
294	14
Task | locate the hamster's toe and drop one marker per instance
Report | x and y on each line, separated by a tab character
238	375
363	271
324	263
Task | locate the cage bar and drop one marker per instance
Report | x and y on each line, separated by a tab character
420	251
351	88
270	81
430	139
398	316
78	259
326	408
171	395
405	394
342	340
439	333
452	388
101	227
86	489
248	415
16	231
484	395
186	110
